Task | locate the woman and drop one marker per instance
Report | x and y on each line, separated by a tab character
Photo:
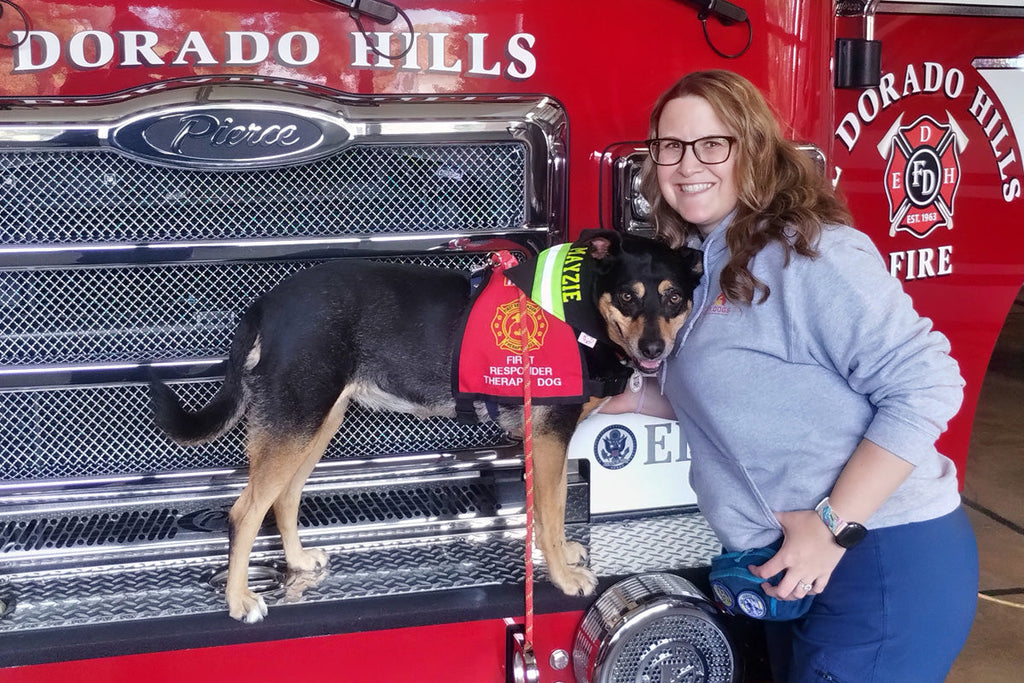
811	395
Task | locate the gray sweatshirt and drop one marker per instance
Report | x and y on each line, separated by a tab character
773	398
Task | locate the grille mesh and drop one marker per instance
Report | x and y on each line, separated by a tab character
107	430
88	197
131	314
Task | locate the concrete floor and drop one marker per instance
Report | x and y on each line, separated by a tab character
994	494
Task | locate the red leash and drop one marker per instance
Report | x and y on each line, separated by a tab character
507	260
528	461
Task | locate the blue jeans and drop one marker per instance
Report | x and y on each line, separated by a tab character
898	607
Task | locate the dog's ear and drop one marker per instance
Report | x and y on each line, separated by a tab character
600	243
603	246
693	259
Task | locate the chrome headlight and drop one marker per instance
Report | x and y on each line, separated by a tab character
653	627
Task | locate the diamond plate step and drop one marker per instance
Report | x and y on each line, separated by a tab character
150	590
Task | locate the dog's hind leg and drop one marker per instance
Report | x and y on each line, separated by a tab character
286	507
552	428
272	462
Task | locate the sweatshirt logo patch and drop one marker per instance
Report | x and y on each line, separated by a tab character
720	306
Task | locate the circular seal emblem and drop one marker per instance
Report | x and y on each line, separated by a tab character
752	604
722	594
614	447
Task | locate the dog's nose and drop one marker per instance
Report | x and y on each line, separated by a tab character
652	348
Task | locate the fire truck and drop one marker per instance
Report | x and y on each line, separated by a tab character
162	165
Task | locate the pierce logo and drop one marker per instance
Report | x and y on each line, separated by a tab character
922	173
255	135
505	327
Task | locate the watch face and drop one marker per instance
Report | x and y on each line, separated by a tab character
851	535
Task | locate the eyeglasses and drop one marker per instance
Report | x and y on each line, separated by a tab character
713	149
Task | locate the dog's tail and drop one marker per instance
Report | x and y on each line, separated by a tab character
226	407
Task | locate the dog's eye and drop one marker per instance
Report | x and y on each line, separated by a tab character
675	298
626	297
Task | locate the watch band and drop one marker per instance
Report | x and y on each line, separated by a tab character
833	521
845	534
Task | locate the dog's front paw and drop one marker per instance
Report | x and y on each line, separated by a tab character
575	553
309	560
573	580
247	608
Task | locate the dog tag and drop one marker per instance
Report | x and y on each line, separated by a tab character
586	340
636	381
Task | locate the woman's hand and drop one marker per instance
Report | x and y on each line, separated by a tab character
808	556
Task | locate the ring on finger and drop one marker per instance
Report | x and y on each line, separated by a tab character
806	586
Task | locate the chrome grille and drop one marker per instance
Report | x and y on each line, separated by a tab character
131	314
102	196
112	256
111	260
107	430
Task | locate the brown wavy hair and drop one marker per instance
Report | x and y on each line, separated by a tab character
783	196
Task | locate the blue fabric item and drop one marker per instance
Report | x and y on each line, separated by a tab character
898	607
739	592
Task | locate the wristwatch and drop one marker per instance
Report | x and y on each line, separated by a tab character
846	534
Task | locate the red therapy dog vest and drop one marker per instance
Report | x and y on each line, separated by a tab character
489	362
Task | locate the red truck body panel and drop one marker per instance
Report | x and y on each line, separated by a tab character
957	244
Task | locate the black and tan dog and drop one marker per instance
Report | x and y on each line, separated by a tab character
382	335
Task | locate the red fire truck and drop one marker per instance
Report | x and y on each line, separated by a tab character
163	164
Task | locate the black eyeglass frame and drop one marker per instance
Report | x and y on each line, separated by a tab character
691	143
